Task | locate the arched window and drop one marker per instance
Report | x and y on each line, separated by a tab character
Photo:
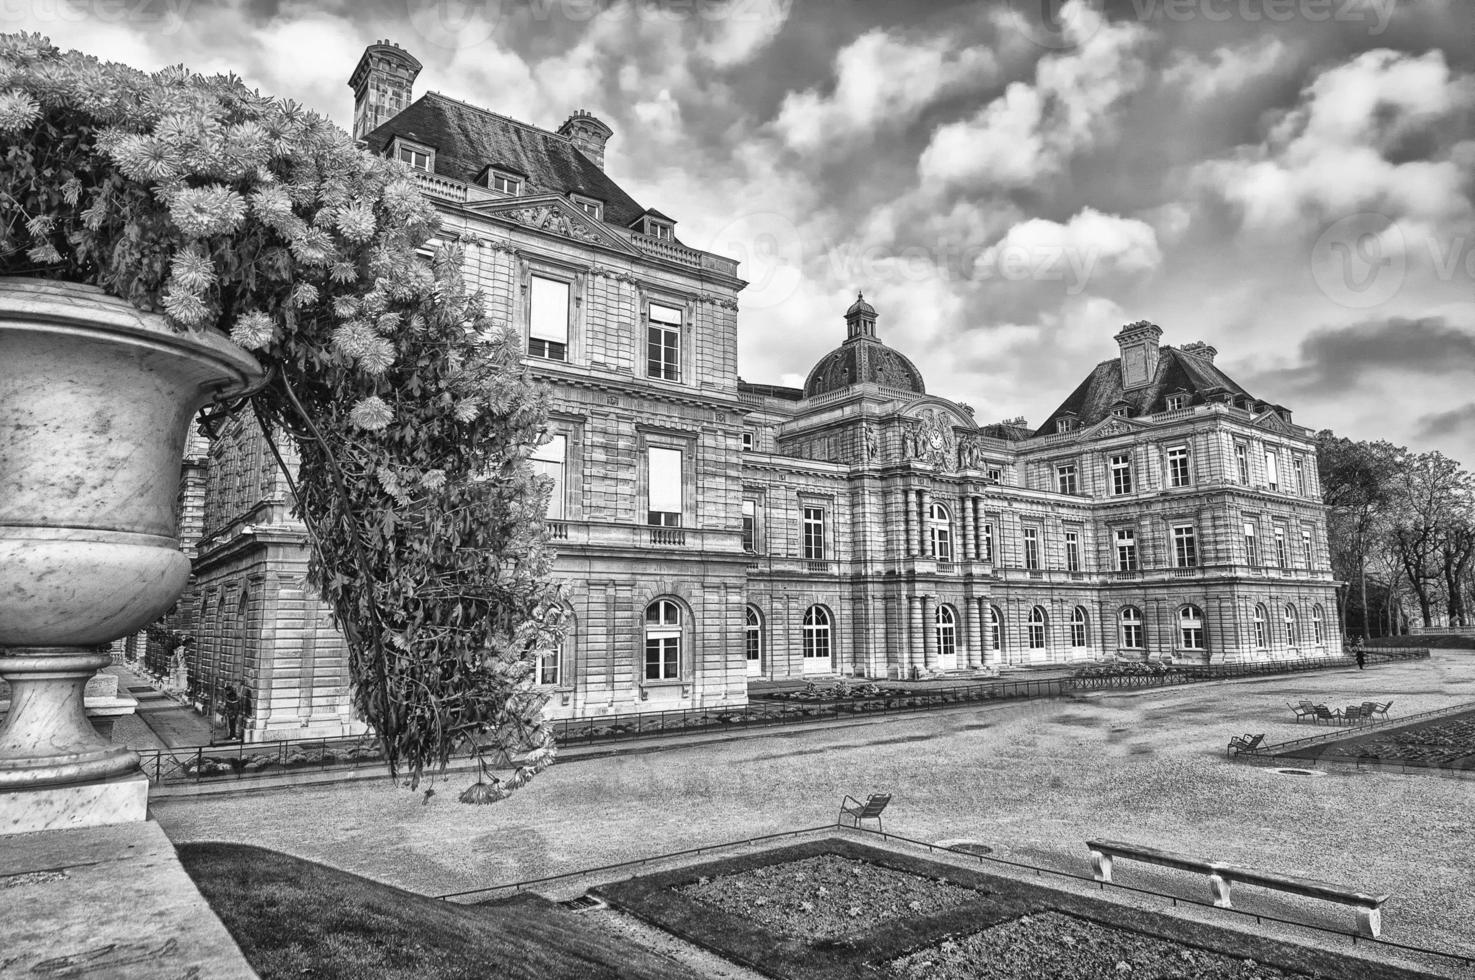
995	628
947	632
817	633
663	640
1078	631
753	639
1037	628
1131	623
1318	627
939	532
1191	627
1293	628
550	662
1262	627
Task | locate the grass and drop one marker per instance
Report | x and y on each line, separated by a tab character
657	899
295	918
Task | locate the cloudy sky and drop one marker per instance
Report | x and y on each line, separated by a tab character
1290	180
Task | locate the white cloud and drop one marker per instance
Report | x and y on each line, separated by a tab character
881	81
741	30
1032	131
1227	70
1089	245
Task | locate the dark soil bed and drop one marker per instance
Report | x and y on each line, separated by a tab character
1439	743
827	896
1053	946
883	907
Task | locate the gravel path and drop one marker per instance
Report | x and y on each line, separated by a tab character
1034	779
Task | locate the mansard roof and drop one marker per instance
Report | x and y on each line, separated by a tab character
770	391
467	140
1177	372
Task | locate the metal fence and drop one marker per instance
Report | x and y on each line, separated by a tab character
256	759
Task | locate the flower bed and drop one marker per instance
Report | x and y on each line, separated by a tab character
827	896
1051	945
1439	743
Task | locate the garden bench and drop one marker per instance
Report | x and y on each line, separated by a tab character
1222	876
1304	709
1354	713
869	810
1244	743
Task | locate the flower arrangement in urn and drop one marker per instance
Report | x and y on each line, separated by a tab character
219	209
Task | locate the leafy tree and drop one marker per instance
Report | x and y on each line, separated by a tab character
1430	527
1357	479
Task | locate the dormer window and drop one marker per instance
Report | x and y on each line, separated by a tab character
1177	401
1064	425
1120	411
663	230
588	205
417	155
504	182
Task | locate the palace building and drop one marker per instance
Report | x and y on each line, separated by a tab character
713	531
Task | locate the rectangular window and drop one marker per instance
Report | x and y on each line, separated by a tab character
750	525
548	666
1306	554
1185	546
1121	474
548	318
747	442
418	159
505	183
1073	552
1065	478
663	343
1252	544
1298	467
1175	402
1280	547
995	474
1031	547
1126	550
988	542
548	460
589	206
814	533
665	487
1242	458
662	658
1272	469
1178	466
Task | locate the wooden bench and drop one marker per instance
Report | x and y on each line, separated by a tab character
1222	876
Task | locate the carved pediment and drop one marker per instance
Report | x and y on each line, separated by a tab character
1113	425
556	216
1272	422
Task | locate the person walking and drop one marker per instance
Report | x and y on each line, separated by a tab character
232	703
1360	654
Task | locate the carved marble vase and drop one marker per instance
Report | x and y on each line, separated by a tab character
95	404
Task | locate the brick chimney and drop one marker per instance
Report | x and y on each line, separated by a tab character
1201	350
1139	346
588	133
382	83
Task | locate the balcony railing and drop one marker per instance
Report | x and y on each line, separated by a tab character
668	537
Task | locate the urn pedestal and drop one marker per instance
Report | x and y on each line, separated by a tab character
95	404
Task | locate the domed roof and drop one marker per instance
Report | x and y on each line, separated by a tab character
863	358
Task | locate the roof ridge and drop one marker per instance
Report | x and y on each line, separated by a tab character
497	115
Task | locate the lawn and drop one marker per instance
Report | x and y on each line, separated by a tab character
295	918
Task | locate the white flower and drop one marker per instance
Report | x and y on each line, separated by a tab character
371	414
253	331
191	270
17	111
185	307
200	212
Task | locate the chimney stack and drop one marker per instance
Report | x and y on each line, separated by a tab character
588	133
1139	346
1200	349
382	83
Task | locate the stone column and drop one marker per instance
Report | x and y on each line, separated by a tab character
909	546
972	613
967	524
924	503
913	655
929	631
990	652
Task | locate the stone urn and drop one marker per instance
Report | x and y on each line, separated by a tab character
95	403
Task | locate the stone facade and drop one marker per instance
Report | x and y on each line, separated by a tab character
712	531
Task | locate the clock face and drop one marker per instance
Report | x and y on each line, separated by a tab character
935	438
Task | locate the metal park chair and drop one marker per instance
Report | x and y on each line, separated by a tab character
858	811
1244	743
